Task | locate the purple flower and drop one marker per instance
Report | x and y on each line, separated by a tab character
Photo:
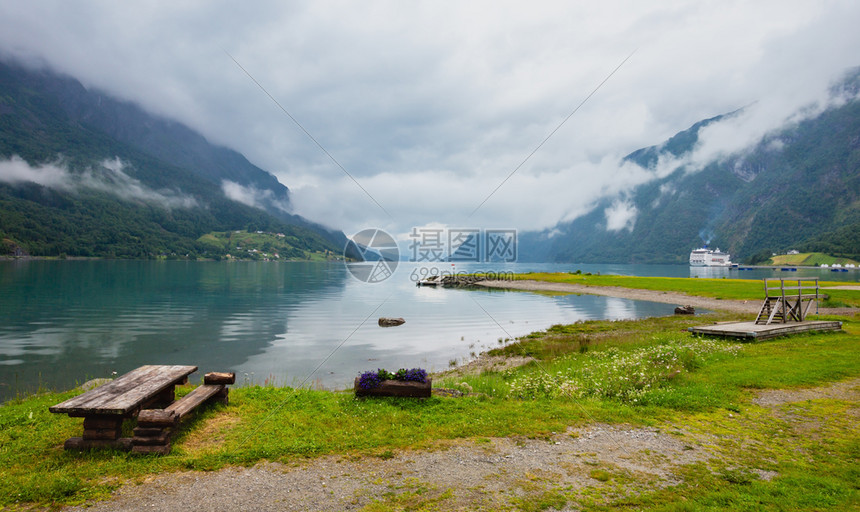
415	375
371	379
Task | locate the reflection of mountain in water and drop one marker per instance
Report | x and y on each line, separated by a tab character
74	320
64	322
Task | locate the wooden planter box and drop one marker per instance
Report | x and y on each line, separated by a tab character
397	388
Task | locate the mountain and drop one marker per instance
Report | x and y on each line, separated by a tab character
84	174
798	188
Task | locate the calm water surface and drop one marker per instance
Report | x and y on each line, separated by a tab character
63	322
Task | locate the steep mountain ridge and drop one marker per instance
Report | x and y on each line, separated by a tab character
166	140
84	174
797	188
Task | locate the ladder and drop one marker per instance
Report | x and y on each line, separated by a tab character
772	309
783	308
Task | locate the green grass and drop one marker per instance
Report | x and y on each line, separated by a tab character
735	289
284	424
239	244
808	258
560	340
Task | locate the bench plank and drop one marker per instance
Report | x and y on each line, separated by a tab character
123	395
157	418
219	378
192	400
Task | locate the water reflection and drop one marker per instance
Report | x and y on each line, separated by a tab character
64	322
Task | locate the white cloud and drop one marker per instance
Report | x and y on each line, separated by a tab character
17	171
111	178
775	145
108	177
239	193
621	215
252	196
431	105
666	189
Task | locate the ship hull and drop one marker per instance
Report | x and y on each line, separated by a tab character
705	257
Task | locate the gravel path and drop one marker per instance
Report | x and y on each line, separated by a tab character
680	299
846	390
479	473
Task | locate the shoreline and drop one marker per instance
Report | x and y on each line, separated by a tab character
679	299
750	307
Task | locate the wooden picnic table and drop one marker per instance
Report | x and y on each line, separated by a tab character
106	407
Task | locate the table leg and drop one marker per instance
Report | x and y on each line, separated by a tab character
161	400
100	431
107	427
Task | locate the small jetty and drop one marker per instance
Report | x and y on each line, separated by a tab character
782	313
451	280
753	331
430	281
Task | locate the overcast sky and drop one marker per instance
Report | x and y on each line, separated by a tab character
430	106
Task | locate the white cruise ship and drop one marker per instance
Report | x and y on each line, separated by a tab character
705	257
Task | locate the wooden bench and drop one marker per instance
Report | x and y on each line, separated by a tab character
106	407
146	392
156	427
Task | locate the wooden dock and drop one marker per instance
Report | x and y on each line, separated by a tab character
754	331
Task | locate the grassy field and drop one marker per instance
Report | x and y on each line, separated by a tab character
258	246
736	289
808	258
683	385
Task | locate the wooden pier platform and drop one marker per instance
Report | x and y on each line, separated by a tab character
754	331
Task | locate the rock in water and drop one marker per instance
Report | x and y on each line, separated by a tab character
685	310
391	322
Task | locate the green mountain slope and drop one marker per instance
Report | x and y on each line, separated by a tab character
796	189
84	175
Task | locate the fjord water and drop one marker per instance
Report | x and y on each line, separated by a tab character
64	322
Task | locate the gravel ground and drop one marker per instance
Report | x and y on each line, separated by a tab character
680	299
846	390
480	473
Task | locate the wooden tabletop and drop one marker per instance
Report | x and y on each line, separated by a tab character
127	392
